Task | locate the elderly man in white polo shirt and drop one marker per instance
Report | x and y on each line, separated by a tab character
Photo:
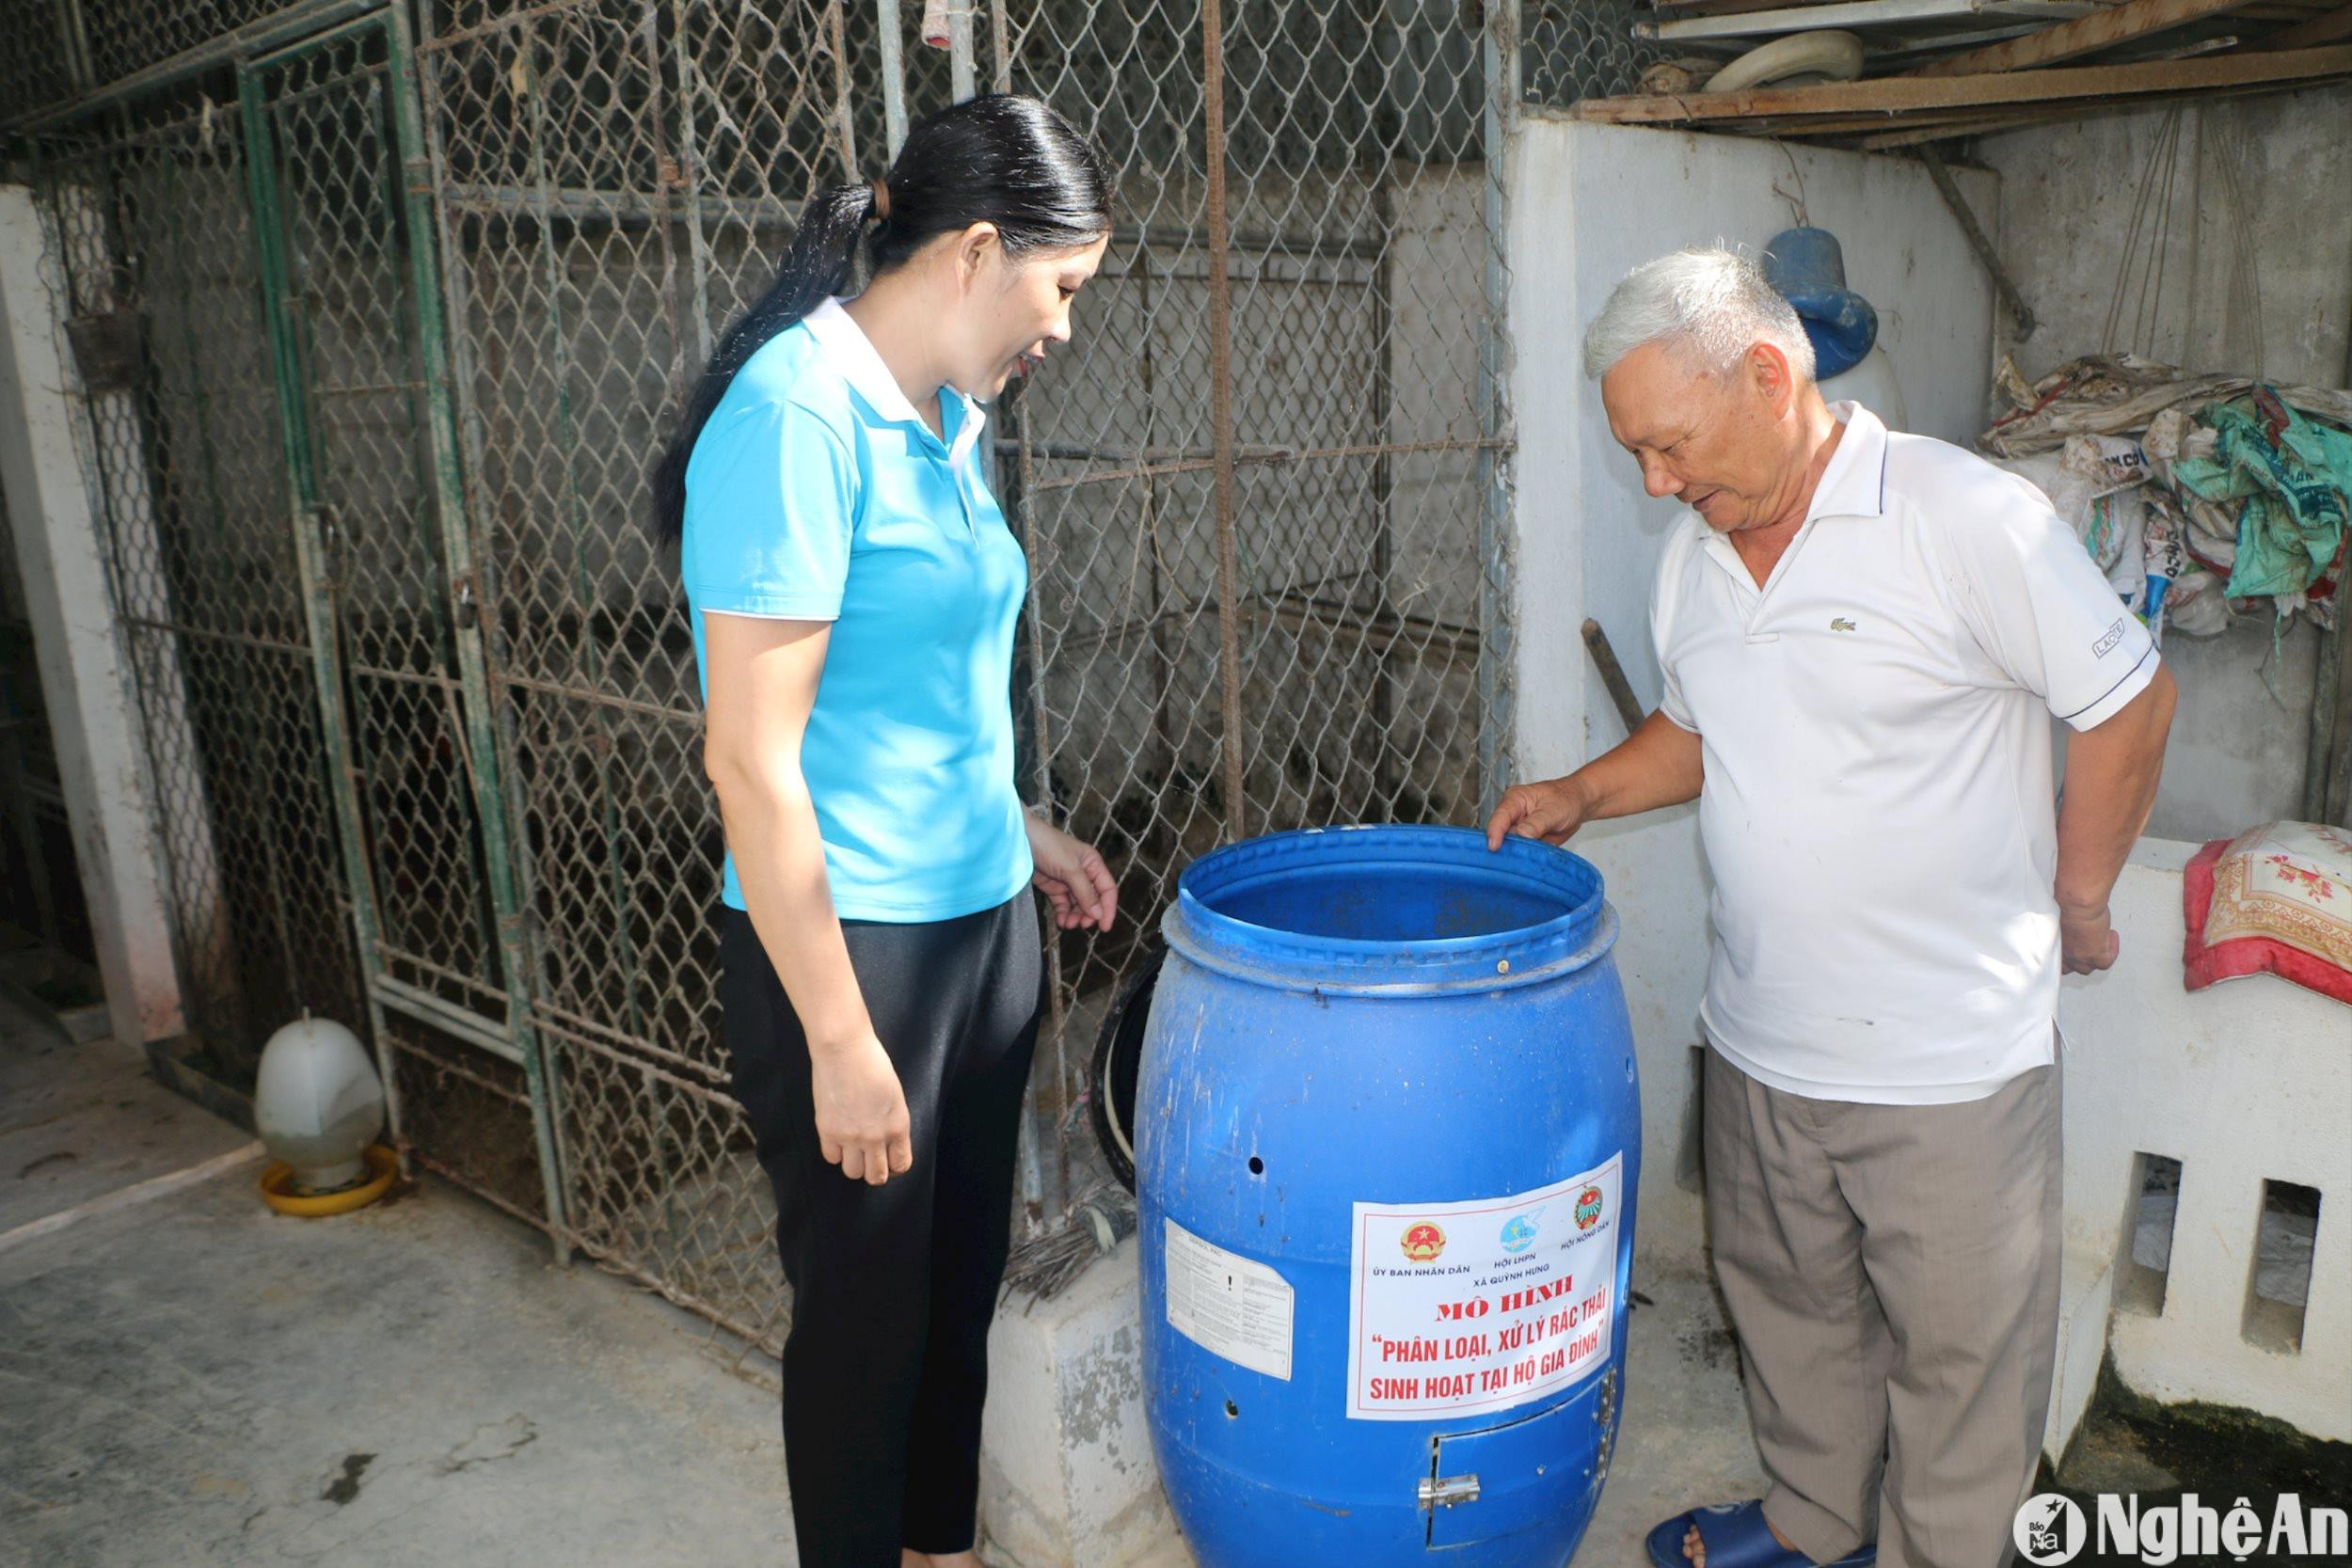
1864	637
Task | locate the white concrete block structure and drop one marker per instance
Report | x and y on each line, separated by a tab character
2247	1082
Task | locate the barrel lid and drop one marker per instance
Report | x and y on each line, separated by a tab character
1391	908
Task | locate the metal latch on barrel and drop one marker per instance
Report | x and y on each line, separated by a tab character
1438	1492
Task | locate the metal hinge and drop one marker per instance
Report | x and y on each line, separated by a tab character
1438	1492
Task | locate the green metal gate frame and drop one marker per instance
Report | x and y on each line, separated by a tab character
407	191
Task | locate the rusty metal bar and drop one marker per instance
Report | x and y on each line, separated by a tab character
1221	417
1295	610
680	193
480	1081
447	1015
1991	259
227	639
1278	454
844	116
601	698
1501	64
1036	1202
892	37
962	70
1613	676
574	1027
512	20
584	203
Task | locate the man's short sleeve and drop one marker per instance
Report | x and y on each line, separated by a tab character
770	504
1665	595
2039	606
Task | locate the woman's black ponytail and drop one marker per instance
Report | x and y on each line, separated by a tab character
998	159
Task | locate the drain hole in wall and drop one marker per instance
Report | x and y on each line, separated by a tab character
2282	1281
2147	1261
1233	1410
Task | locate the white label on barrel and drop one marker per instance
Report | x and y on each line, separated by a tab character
1228	1304
1458	1308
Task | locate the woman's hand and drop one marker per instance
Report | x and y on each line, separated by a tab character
861	1109
1072	875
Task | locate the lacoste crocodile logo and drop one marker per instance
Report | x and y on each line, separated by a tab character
1841	623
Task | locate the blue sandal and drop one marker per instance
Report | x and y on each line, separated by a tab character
1737	1536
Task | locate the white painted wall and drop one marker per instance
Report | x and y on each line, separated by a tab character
1589	202
2277	171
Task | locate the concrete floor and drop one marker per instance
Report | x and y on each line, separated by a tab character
189	1378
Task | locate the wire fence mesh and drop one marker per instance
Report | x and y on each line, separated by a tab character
427	751
153	241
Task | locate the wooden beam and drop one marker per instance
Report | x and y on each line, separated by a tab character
1840	125
1899	94
2328	27
1976	125
2085	35
2221	45
1928	44
1917	133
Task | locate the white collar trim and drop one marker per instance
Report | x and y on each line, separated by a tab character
851	353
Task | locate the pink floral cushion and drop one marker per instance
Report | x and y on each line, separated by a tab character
2276	899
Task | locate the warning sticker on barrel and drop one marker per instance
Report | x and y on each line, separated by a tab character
1228	1304
1481	1305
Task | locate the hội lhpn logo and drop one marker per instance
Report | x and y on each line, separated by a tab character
1519	1231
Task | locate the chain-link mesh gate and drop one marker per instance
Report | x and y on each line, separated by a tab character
349	263
446	694
155	247
272	480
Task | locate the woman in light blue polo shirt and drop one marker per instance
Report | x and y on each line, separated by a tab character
853	591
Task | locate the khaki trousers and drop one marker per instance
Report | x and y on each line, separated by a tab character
1892	1273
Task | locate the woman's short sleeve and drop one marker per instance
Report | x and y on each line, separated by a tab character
770	504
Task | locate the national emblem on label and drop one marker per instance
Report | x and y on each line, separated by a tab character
1422	1242
1587	1207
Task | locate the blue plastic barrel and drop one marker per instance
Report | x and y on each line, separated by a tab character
1389	1137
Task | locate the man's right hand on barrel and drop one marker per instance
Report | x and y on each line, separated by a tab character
1660	764
1551	811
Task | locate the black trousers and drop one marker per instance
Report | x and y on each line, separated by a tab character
892	1286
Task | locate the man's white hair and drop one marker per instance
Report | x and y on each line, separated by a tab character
1711	303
